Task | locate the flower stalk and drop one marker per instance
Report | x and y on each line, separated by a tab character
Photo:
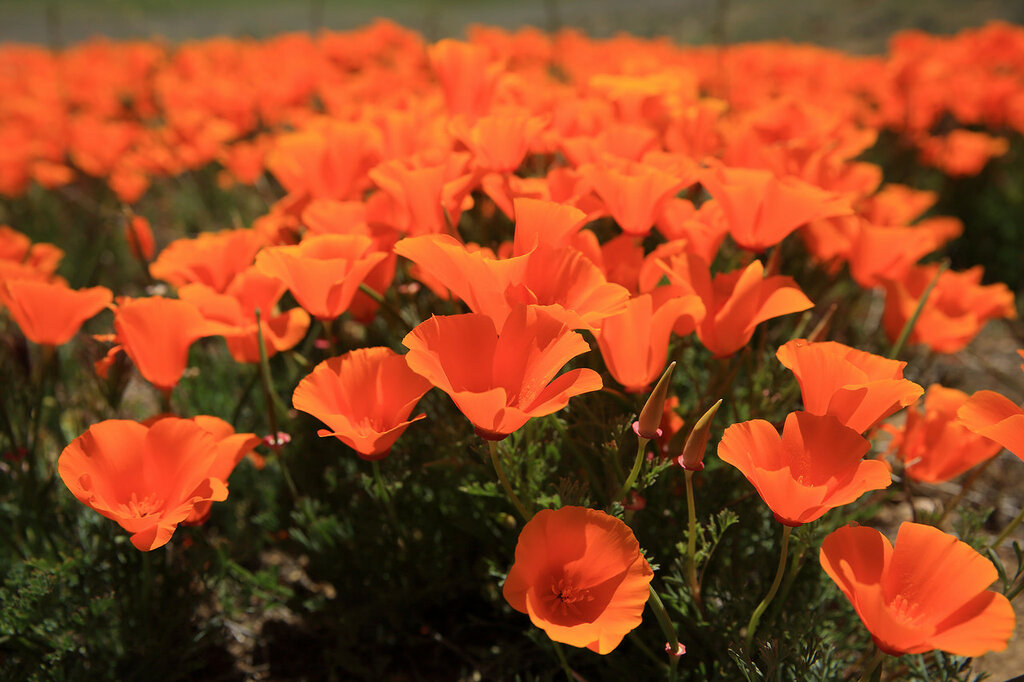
755	618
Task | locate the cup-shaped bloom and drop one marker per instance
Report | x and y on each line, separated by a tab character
212	258
156	333
736	302
935	446
323	272
926	592
633	193
50	313
500	140
365	396
956	310
580	576
499	380
817	464
236	308
634	343
762	209
995	416
147	478
859	388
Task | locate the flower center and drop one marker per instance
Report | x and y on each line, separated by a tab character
906	611
144	507
568	594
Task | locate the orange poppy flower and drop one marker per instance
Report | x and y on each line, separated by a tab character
466	75
500	140
212	258
957	309
327	161
995	416
156	333
935	446
423	190
17	252
736	302
501	380
580	576
147	478
633	193
560	279
365	396
762	209
50	313
817	464
962	152
926	592
323	272
634	343
236	308
858	388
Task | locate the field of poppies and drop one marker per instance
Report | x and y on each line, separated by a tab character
524	356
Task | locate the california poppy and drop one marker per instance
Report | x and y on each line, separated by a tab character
156	333
322	272
365	396
926	592
956	310
499	380
236	308
762	209
934	445
817	464
147	478
212	258
50	313
995	416
736	302
859	388
580	576
634	343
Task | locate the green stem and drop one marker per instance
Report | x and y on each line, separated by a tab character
562	660
634	472
669	630
755	618
271	400
386	306
909	326
873	665
1006	531
496	462
691	543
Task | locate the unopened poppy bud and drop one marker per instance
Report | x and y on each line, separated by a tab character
650	416
692	458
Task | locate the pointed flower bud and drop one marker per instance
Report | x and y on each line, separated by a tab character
692	458
650	416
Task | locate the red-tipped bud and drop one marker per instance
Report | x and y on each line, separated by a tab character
692	458
650	417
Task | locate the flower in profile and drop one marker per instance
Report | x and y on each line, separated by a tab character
995	416
928	592
146	478
212	258
817	464
365	396
736	302
580	576
322	272
955	311
499	380
236	308
859	388
50	313
934	445
156	333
